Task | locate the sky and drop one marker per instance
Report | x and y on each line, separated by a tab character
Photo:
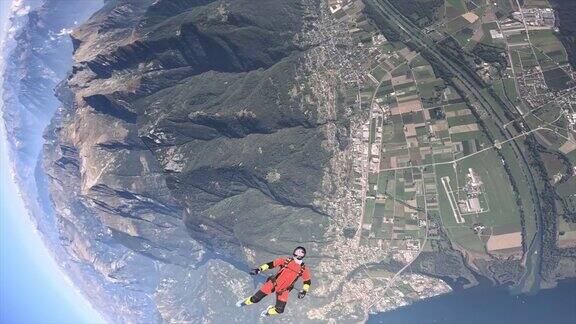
33	289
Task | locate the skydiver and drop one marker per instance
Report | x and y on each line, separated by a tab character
291	269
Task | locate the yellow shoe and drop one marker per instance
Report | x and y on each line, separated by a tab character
244	302
271	310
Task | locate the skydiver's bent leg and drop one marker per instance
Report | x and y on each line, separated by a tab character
280	305
281	300
263	292
257	297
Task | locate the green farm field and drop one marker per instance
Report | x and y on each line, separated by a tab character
546	41
454	8
378	73
506	89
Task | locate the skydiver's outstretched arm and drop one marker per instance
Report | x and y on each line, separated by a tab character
266	266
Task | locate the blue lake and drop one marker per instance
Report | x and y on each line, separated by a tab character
488	304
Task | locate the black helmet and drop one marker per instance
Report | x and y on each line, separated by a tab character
299	253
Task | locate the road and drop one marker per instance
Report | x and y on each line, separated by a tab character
469	155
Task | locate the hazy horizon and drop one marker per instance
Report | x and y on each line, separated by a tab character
33	287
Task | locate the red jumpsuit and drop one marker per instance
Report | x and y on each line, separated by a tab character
282	282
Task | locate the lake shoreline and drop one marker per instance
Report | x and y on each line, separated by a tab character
487	303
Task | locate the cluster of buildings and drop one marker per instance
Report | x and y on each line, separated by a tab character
376	145
537	17
360	151
571	116
532	87
479	228
532	18
420	284
405	256
337	5
472	189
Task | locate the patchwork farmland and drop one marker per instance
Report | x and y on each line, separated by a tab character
428	157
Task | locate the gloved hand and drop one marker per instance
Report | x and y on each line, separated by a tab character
254	271
301	294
